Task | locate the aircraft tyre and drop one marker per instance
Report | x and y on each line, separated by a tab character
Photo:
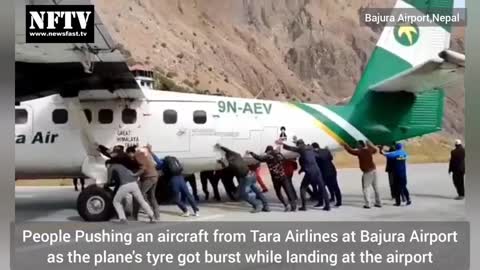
94	204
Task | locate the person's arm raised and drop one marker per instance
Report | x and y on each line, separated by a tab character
350	150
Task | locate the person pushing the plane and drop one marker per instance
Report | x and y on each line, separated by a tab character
399	156
329	173
274	160
313	174
128	185
245	177
364	153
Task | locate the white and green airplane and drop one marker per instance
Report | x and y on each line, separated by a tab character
400	96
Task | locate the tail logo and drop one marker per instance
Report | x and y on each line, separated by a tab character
407	35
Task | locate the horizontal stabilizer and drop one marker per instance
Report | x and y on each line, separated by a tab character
432	74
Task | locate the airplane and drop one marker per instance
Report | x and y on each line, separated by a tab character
59	119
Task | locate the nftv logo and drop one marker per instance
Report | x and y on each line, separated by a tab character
60	23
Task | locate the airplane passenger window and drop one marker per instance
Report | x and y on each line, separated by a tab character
105	116
21	116
169	116
129	116
60	116
199	117
88	114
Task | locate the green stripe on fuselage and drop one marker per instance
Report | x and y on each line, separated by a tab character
334	127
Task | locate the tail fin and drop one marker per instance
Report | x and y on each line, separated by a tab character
387	117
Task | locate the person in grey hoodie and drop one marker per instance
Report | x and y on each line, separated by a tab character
128	185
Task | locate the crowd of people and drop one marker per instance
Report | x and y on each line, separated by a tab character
137	170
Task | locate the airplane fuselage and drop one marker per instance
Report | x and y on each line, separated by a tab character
49	140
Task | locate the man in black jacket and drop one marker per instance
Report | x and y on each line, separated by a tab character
226	176
329	173
245	178
210	176
313	174
457	168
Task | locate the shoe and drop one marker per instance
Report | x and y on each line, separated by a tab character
338	204
366	207
196	214
409	202
286	208
293	208
152	220
459	198
318	205
397	204
266	209
185	214
303	208
256	210
326	208
378	205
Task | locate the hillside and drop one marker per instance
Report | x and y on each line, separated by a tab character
312	51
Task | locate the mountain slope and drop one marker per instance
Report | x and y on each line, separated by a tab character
312	51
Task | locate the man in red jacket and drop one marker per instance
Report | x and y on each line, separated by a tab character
256	168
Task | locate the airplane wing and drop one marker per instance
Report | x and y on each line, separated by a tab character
68	68
434	73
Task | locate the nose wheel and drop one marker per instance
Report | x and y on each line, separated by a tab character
95	204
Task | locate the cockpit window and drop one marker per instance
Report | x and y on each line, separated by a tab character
21	116
60	116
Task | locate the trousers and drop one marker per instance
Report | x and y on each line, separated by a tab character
123	191
148	186
180	189
286	185
247	183
369	180
458	182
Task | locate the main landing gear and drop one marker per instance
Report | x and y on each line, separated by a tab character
95	204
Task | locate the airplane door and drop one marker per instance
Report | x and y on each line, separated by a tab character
203	137
245	133
269	136
168	127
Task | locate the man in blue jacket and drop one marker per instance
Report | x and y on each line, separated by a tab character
399	156
179	187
